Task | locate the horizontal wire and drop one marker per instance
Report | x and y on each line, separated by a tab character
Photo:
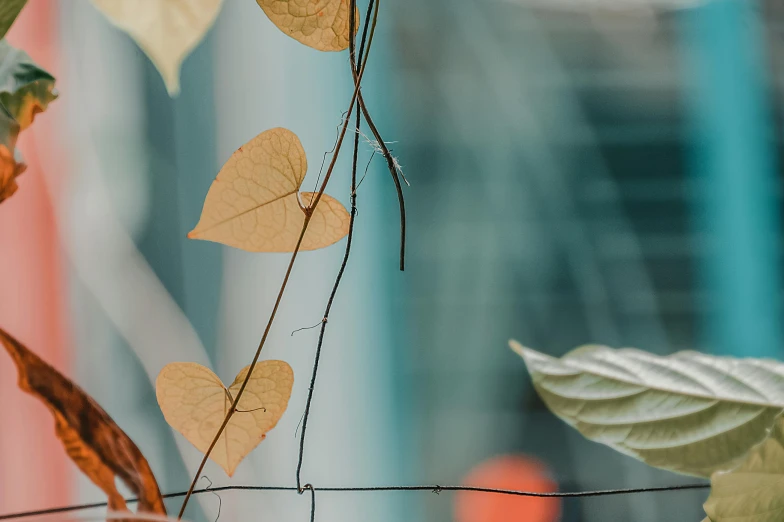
433	488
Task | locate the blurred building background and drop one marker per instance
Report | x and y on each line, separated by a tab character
597	176
579	173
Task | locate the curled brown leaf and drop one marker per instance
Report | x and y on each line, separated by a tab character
91	438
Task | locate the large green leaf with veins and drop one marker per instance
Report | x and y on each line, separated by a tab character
687	412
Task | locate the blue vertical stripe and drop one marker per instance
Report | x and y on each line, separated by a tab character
735	209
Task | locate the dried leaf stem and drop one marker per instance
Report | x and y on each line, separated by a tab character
308	215
393	171
395	178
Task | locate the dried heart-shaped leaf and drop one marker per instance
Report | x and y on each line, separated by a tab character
9	10
195	402
254	203
321	24
166	30
91	438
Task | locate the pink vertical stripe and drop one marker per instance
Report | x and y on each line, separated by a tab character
34	470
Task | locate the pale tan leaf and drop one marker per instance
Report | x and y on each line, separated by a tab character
321	24
754	491
255	204
195	402
166	30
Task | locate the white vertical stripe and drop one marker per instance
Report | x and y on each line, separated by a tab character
265	79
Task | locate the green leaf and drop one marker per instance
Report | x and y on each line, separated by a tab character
9	10
687	412
9	129
754	491
25	88
11	165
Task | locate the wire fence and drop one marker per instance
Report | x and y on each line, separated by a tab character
435	488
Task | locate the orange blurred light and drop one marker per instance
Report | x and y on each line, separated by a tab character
516	472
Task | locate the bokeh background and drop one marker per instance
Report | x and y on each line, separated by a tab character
581	171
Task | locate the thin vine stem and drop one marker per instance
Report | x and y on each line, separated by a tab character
347	253
308	215
312	502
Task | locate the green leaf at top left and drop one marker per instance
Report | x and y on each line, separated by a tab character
9	10
25	88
